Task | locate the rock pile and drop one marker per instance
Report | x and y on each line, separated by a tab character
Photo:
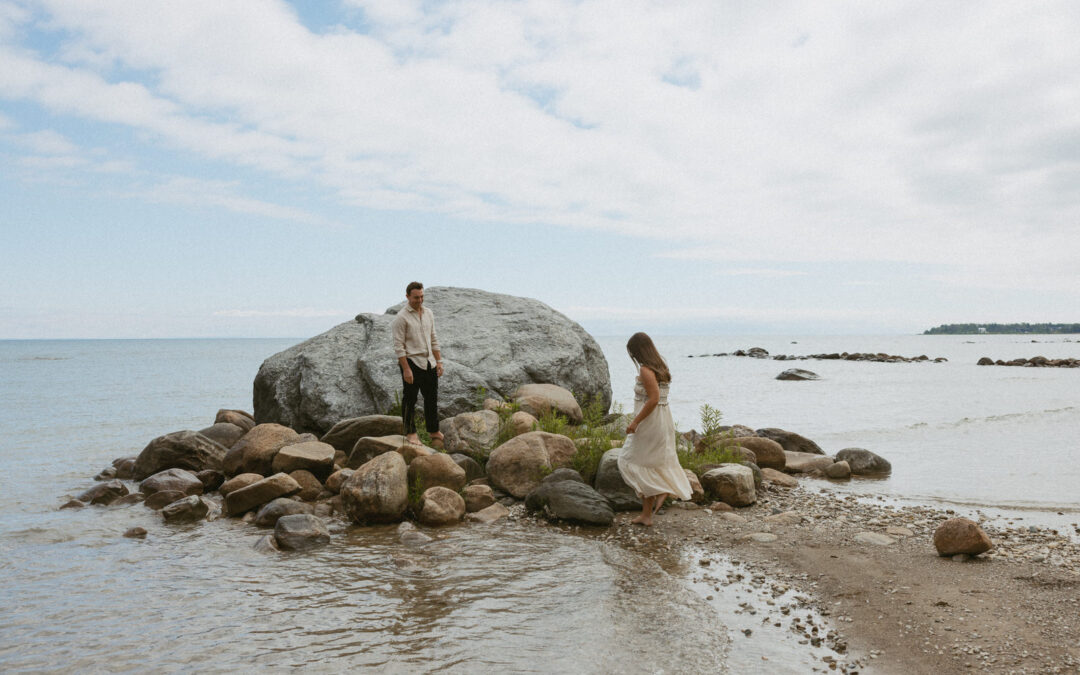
759	353
1033	362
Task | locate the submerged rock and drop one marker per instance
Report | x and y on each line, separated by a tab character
798	374
864	462
300	531
104	493
192	507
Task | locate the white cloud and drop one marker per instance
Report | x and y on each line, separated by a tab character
47	142
942	133
205	193
303	312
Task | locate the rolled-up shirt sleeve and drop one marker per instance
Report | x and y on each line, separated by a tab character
397	327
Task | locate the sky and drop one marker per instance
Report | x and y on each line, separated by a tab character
260	168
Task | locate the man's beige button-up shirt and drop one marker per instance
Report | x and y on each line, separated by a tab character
414	336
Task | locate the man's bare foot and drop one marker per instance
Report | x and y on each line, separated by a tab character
412	438
437	440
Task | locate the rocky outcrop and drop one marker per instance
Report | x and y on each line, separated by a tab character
179	450
517	466
472	433
378	491
864	463
791	441
1033	362
489	340
961	535
571	501
758	352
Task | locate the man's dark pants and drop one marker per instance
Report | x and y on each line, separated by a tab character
426	383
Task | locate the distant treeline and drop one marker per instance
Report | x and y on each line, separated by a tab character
1002	328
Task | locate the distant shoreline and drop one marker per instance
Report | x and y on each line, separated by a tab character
1004	329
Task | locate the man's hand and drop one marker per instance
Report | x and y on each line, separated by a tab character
406	374
438	369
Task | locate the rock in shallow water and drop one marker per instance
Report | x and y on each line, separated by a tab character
571	501
189	508
300	532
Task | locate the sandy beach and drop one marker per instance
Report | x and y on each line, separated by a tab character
880	607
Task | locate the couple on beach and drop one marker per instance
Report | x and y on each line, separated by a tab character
648	461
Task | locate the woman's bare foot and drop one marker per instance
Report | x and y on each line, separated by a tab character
642	520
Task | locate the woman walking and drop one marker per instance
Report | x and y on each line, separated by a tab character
648	462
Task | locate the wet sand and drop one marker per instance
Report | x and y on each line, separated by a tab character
857	606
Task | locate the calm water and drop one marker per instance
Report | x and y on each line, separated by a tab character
76	595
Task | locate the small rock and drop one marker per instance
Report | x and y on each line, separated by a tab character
136	533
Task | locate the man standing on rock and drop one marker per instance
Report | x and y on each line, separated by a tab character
417	349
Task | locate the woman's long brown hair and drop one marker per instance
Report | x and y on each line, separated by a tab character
643	352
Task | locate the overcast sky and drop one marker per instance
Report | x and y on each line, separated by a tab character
265	168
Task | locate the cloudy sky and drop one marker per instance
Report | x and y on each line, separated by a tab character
265	168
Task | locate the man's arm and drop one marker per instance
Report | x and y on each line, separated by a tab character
435	348
397	328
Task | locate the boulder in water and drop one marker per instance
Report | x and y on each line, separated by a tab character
179	450
300	531
378	491
441	506
791	441
863	462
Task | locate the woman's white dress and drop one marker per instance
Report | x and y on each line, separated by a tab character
648	462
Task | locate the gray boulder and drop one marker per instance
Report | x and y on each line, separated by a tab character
179	450
571	501
798	374
791	441
732	484
864	462
564	473
300	531
471	433
489	340
609	482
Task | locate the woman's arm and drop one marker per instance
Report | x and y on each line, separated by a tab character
652	392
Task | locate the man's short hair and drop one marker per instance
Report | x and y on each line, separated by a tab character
413	286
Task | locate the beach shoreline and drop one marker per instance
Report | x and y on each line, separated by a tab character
872	607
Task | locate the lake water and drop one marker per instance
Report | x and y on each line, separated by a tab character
78	596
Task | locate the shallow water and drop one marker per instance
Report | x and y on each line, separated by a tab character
77	595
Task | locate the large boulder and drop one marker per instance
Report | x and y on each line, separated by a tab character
441	506
489	340
180	480
518	465
732	484
378	491
344	434
864	462
609	482
767	452
571	501
471	433
538	399
791	441
179	450
961	535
